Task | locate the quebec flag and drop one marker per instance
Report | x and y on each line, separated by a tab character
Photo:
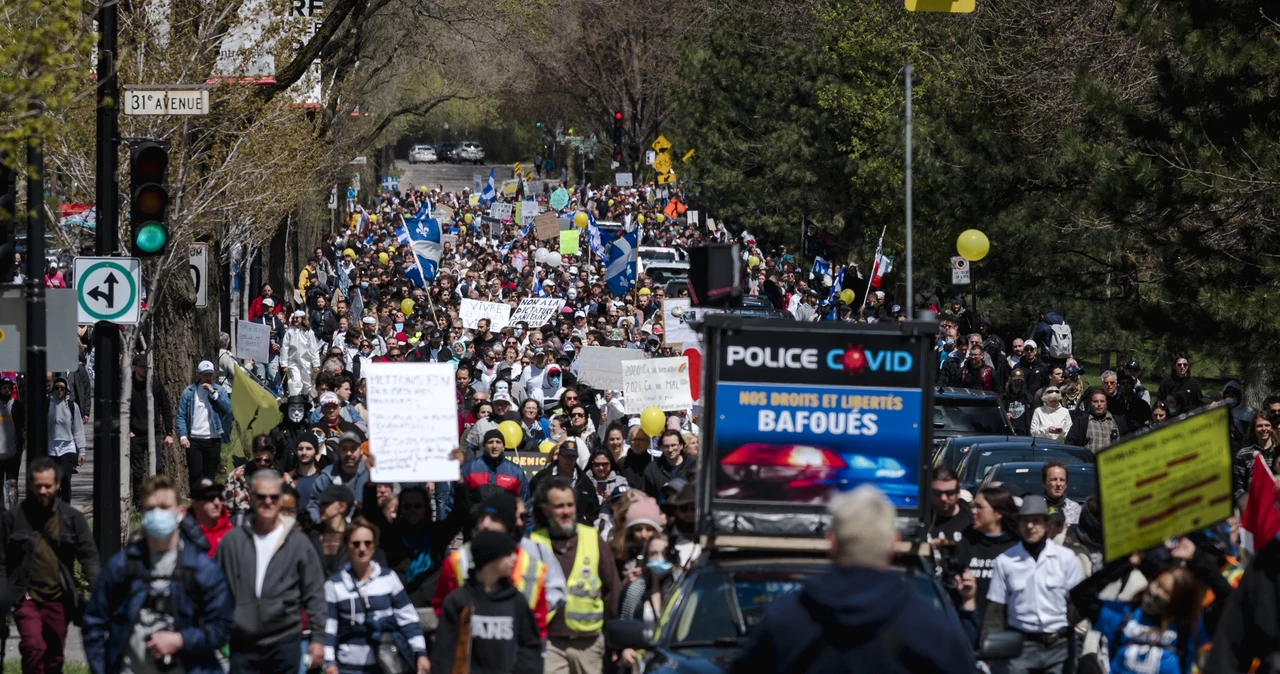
490	193
620	272
593	237
424	239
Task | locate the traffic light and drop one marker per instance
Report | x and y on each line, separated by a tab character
8	220
617	137
537	125
149	197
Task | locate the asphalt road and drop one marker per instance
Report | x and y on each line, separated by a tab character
454	177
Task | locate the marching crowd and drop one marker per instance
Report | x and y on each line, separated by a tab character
297	560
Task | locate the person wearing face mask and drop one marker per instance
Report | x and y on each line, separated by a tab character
1028	592
643	598
161	603
551	386
1161	630
293	425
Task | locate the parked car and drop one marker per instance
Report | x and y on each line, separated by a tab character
953	450
422	154
1023	477
983	457
962	411
470	151
664	272
446	151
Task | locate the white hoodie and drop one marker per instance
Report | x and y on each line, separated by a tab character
1045	417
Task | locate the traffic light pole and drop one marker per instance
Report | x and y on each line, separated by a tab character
911	298
106	336
37	359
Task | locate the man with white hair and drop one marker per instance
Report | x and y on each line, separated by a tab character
862	615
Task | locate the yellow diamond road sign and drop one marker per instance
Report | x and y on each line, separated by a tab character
667	178
661	144
662	163
949	6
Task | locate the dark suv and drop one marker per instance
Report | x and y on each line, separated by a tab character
962	411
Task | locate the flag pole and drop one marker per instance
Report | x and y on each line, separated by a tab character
875	264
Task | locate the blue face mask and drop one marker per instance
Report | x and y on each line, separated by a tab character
364	284
554	382
659	567
159	523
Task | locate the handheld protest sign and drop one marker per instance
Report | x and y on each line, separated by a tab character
1165	482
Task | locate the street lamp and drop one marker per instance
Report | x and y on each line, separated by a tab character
973	245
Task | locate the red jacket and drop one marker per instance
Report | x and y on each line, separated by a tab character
219	529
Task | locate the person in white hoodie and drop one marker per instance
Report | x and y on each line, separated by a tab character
300	354
66	433
1051	420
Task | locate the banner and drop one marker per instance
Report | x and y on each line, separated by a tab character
474	310
253	341
823	410
1164	483
601	366
675	316
413	421
253	409
569	242
536	311
656	382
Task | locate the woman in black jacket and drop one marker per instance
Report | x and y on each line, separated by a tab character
415	547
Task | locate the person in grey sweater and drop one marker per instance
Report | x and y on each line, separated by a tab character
274	574
66	432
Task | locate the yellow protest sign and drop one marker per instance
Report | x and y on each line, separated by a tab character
666	178
661	144
948	6
569	242
662	162
1164	483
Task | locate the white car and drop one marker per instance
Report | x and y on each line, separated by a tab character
422	154
470	151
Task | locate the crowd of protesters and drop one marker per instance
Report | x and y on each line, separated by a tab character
297	558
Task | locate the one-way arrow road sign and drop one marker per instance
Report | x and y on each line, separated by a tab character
97	296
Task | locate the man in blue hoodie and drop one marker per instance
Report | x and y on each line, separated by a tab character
860	616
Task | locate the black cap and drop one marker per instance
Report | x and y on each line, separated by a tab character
205	489
140	360
334	493
569	448
489	546
502	507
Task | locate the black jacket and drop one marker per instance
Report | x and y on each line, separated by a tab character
633	466
81	389
504	635
659	473
1249	624
17	547
138	410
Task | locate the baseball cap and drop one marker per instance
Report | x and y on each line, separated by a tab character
369	320
579	314
298	314
1030	344
1033	504
573	269
329	398
569	448
205	489
502	398
268	301
644	291
334	493
140	360
351	436
205	367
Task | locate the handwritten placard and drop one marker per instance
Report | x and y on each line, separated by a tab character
656	382
472	311
253	341
601	366
413	421
528	211
547	226
500	210
537	311
569	242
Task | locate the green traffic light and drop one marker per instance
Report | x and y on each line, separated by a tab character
151	238
538	124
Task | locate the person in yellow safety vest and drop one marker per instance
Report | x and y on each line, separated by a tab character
575	644
529	576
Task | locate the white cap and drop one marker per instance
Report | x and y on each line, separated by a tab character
880	294
1030	344
268	301
299	313
205	367
329	398
369	320
573	269
579	314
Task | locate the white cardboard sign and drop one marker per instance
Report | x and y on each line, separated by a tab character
601	366
499	315
413	421
501	211
536	311
656	382
253	340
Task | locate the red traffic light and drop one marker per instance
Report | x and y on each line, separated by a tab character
617	116
150	163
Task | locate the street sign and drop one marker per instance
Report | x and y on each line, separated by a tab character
62	342
666	178
622	179
662	163
947	6
661	144
200	273
959	271
108	289
160	100
687	156
649	156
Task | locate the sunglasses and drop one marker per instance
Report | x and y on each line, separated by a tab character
600	465
945	492
272	498
359	545
577	414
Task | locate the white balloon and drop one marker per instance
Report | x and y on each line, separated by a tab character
553	260
540	255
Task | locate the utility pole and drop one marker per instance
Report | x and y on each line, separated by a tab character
107	531
911	297
37	359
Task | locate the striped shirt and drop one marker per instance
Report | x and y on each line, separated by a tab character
351	605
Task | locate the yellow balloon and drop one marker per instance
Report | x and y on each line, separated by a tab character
640	219
581	220
972	245
546	446
847	296
406	306
382	257
467	218
611	202
661	218
652	421
373	219
349	253
512	434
